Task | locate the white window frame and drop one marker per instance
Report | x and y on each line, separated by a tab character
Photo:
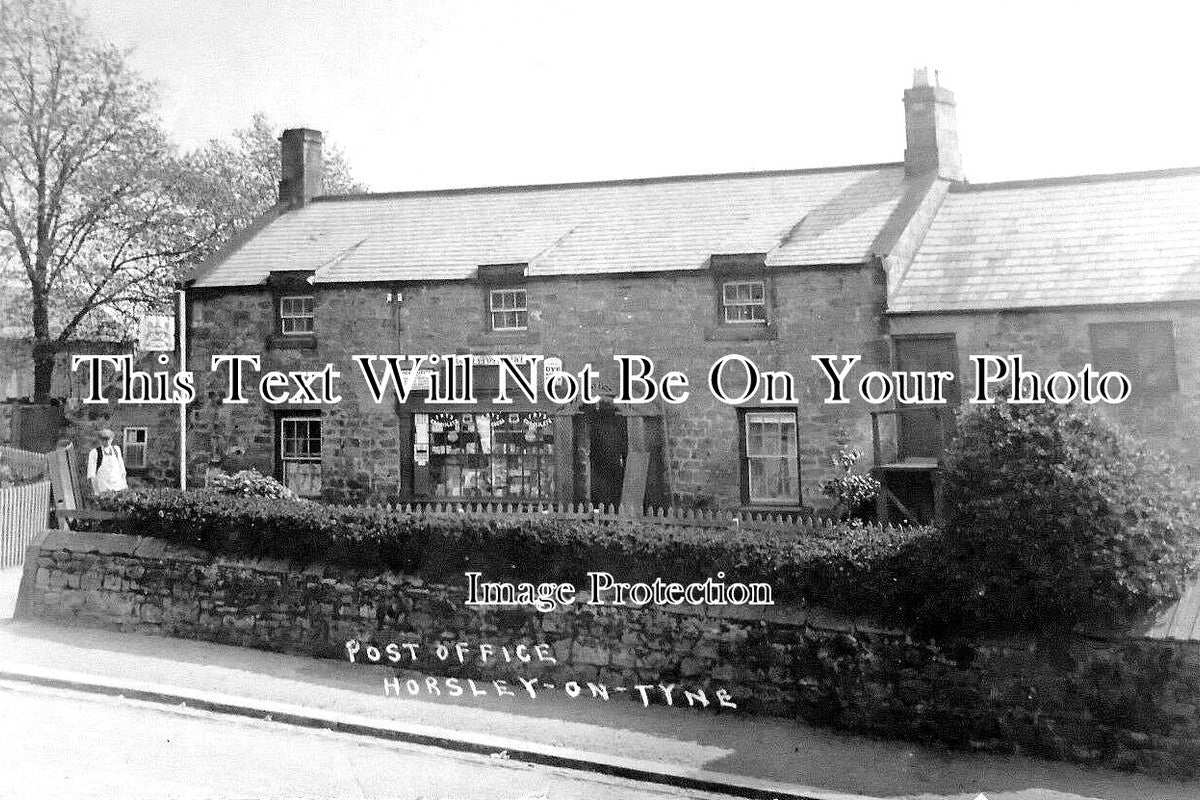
309	316
307	458
141	446
771	417
727	304
497	313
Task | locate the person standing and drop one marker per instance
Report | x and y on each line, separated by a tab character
106	465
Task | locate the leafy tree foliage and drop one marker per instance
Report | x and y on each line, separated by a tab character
235	181
88	180
99	212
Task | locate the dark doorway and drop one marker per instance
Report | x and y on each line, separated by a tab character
607	447
924	431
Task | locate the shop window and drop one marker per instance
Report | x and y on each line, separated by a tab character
300	454
770	458
133	447
492	455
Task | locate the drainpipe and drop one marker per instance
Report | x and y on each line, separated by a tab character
181	327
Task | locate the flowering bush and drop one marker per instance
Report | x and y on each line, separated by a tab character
249	483
851	491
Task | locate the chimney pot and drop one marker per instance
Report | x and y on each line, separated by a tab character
302	169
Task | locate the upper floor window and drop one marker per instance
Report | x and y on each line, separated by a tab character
744	302
133	447
1144	351
296	315
509	309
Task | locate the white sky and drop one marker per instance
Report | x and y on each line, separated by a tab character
439	94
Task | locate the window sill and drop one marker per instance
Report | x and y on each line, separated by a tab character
489	338
741	333
281	342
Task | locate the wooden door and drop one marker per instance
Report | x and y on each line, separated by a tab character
608	448
924	431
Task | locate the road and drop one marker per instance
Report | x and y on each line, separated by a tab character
73	745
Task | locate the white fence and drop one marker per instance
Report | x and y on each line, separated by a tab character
25	507
23	513
763	521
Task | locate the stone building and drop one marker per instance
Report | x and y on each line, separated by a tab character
903	263
1099	270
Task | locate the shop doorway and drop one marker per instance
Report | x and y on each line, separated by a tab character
607	449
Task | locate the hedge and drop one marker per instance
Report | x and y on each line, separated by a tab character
855	569
1054	515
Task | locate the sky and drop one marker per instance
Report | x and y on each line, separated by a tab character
445	94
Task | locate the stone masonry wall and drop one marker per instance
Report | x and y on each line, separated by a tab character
1125	703
671	318
1060	340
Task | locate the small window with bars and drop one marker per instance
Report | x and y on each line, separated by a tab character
296	315
509	310
744	302
133	447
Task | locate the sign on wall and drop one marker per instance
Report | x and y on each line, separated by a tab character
156	332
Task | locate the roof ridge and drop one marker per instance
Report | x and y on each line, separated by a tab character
965	187
603	183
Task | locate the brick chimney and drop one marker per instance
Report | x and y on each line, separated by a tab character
303	173
931	128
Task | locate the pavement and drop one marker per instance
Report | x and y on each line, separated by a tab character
701	750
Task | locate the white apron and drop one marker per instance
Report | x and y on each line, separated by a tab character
109	475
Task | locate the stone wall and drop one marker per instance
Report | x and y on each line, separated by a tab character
1129	703
1060	340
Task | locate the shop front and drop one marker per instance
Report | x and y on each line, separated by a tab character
528	452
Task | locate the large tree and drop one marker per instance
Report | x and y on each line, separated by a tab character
99	213
89	183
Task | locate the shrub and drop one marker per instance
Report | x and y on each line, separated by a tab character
249	483
855	569
851	491
1055	516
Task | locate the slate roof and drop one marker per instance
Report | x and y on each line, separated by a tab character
802	217
1095	240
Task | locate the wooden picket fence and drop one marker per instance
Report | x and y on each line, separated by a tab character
24	508
766	522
